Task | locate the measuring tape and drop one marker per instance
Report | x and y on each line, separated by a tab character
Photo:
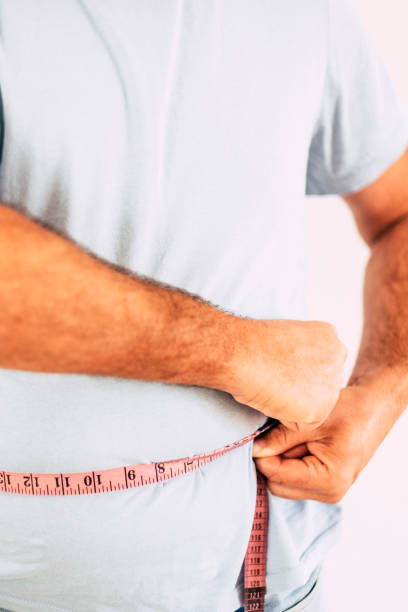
127	477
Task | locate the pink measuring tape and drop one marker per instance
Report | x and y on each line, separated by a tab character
103	481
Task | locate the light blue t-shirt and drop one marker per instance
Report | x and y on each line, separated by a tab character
177	139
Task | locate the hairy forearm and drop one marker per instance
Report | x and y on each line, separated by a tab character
382	362
63	309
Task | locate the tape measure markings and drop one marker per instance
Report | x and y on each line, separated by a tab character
127	477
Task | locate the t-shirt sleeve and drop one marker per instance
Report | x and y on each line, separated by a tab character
362	124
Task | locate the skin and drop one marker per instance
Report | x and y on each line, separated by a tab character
322	464
63	309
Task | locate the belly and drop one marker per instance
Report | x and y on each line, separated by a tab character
73	423
179	544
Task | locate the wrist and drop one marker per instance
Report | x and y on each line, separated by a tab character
197	342
227	351
237	337
385	387
391	381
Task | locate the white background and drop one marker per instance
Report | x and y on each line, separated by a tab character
368	570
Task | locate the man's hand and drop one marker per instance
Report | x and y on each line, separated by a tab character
324	463
290	370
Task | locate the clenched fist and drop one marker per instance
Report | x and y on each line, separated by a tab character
289	370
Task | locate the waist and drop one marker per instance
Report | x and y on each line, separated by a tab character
69	423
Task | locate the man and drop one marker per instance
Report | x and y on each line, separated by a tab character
155	162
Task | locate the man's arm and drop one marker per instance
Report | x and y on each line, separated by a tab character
381	214
63	309
323	464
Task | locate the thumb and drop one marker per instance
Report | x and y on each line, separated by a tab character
278	440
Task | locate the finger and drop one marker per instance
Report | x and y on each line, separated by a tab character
296	493
278	440
305	473
298	426
287	492
298	451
